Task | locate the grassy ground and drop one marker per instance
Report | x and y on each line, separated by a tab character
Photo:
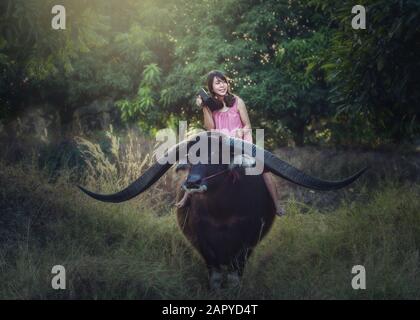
136	251
133	251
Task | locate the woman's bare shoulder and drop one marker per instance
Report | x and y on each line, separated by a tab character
241	103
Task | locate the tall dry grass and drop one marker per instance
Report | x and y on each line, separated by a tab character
113	165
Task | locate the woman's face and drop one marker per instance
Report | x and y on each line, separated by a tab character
219	86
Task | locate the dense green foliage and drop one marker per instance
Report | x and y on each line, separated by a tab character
374	73
303	72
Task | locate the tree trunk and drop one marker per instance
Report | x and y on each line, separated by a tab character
299	134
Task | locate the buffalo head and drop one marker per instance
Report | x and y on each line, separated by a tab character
197	178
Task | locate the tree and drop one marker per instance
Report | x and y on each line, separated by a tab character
375	72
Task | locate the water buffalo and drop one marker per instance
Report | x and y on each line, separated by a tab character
228	212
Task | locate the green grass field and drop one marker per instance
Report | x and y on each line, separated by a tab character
135	251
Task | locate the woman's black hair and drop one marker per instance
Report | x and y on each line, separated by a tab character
229	98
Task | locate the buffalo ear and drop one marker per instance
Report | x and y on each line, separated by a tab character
242	161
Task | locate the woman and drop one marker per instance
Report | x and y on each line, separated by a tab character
232	119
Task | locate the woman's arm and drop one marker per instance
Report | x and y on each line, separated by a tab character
247	135
208	119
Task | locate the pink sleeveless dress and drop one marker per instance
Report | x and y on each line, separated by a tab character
229	122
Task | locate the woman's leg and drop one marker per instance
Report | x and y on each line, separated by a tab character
271	186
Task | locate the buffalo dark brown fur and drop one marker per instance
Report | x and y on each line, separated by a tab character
225	224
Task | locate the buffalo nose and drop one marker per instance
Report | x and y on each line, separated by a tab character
193	180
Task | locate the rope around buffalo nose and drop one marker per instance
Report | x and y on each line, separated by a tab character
232	173
202	188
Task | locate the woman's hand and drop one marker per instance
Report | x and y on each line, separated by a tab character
199	101
239	133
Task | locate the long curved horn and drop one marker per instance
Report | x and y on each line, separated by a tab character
151	175
290	173
141	184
